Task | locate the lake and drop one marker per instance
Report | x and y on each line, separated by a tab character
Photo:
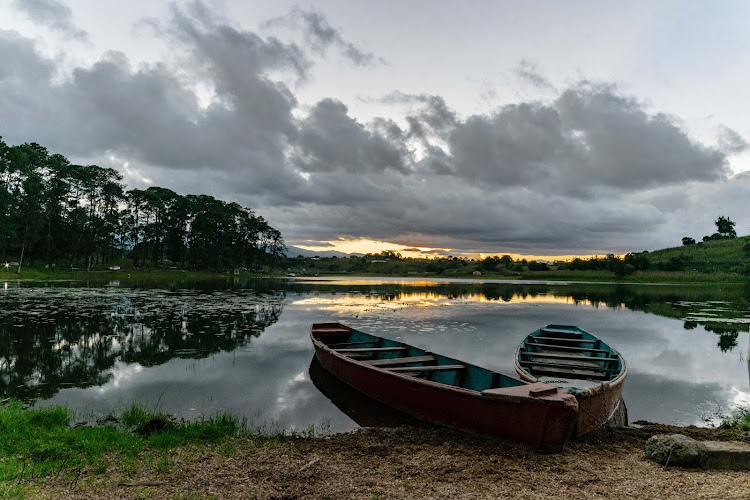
243	347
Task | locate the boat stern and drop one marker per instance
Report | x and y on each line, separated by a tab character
543	412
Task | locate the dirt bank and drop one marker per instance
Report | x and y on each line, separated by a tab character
409	462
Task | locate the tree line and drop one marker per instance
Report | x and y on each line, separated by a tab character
724	231
55	212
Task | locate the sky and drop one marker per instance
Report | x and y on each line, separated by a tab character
472	128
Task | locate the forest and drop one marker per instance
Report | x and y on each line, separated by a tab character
56	213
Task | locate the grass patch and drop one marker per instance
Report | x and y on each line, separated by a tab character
40	444
740	420
127	274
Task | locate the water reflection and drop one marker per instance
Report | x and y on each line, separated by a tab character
243	347
364	410
55	337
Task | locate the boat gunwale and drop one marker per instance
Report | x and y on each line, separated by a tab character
420	381
549	414
589	391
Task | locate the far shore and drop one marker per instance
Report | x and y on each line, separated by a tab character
162	275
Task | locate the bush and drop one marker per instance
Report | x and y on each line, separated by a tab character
490	263
538	266
639	261
674	264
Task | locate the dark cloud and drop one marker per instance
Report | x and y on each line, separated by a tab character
588	138
531	73
588	171
432	112
329	139
52	14
730	142
320	35
623	146
151	114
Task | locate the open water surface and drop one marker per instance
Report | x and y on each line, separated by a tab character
243	346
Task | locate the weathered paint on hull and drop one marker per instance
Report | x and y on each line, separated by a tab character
512	414
595	407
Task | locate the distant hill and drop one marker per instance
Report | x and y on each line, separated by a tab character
293	251
730	255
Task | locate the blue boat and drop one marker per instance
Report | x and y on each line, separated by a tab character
584	365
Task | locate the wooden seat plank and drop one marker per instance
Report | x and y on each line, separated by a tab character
348	344
564	347
433	368
329	331
564	331
572	374
573	367
370	349
556	339
400	361
566	356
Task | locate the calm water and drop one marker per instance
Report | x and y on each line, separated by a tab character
243	347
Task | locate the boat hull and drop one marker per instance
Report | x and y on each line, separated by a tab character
535	415
600	403
596	407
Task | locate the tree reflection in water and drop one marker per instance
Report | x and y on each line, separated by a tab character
54	337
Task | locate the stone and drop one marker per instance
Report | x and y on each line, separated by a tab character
677	450
728	455
687	452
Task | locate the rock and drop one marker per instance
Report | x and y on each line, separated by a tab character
155	425
687	452
728	455
676	449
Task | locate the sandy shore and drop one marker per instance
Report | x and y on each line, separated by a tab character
411	462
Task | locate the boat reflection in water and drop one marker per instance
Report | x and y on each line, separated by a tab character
364	410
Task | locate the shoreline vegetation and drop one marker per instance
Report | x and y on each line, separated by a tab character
142	453
163	276
160	276
67	215
718	261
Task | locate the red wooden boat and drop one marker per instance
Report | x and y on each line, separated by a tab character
582	364
447	391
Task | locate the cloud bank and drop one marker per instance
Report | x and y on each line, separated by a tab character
589	170
51	14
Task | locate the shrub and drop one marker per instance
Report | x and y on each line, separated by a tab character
538	266
674	264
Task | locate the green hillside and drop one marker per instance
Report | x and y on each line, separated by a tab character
727	255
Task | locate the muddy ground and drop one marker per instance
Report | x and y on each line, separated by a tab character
411	462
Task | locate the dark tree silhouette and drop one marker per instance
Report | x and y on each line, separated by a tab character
77	215
725	227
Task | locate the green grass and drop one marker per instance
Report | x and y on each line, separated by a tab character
40	444
125	276
740	419
727	256
636	277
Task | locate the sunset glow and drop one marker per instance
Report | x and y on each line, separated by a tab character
365	246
